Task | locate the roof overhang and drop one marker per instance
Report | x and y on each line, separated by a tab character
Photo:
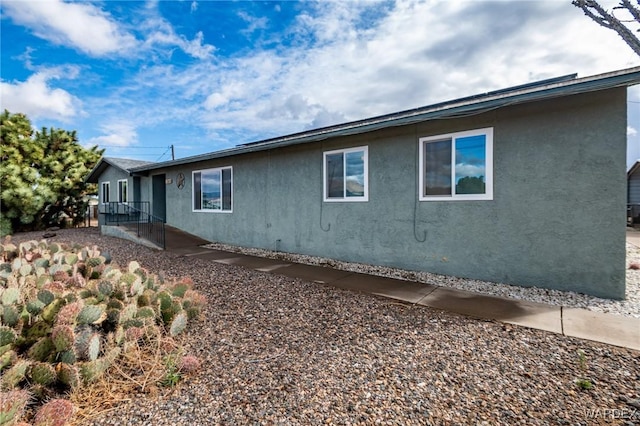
633	169
463	107
106	162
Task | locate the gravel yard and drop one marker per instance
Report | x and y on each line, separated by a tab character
277	350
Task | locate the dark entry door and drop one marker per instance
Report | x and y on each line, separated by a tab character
159	197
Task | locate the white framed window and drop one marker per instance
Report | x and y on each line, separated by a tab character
213	190
346	174
457	166
123	195
104	192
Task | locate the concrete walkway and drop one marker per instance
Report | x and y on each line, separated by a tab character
606	328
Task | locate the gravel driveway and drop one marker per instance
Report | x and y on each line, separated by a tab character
277	350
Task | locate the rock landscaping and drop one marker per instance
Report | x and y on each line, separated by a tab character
277	350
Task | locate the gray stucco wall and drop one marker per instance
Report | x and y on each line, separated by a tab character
557	218
112	175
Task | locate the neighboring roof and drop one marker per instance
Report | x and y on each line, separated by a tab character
633	169
123	164
537	91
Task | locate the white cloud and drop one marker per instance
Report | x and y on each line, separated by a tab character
631	131
413	55
469	170
78	25
116	134
255	24
37	99
194	6
160	33
351	60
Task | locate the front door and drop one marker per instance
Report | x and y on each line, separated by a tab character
159	197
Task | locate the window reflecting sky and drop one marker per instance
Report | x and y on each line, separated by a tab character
355	166
211	185
471	157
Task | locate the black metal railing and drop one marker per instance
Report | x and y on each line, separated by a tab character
136	217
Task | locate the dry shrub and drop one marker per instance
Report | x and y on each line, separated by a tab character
138	371
634	265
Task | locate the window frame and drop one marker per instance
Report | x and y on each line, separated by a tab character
105	195
126	191
345	198
193	190
487	132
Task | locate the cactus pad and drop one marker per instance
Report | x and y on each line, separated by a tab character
69	375
53	413
26	270
34	307
7	359
68	313
105	288
10	315
16	374
95	261
7	335
42	373
10	296
41	263
178	324
42	350
68	357
146	312
91	371
51	310
179	289
46	296
63	337
128	312
87	344
91	314
12	406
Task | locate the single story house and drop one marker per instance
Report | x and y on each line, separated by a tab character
633	193
524	185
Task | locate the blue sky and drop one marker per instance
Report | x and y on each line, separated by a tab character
135	77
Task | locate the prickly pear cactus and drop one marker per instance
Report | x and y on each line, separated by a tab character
68	313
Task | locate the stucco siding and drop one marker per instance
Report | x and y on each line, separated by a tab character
112	175
557	218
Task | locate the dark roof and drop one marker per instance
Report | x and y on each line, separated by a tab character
462	107
633	169
124	164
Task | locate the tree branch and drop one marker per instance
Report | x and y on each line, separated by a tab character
607	20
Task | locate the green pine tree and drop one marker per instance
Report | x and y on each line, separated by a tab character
42	175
